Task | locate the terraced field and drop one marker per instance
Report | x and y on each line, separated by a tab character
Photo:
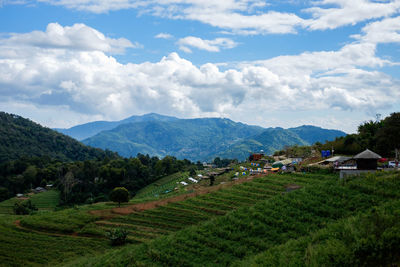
19	247
162	186
43	201
255	226
149	224
6	206
220	228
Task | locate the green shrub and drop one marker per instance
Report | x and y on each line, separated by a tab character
24	207
117	236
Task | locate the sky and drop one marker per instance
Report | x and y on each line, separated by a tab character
329	63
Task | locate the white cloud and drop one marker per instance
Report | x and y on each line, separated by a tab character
248	16
76	37
209	45
163	35
348	12
384	31
59	82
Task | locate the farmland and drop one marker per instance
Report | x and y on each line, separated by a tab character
43	201
254	228
232	225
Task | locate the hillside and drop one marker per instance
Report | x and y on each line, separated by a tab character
204	139
312	134
270	140
256	222
20	137
260	222
193	139
90	129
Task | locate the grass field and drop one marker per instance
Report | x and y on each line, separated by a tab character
25	248
162	186
48	200
247	223
146	225
254	227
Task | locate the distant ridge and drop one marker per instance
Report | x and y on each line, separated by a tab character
194	139
87	130
203	139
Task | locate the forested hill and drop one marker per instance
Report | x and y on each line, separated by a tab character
20	137
204	139
90	129
193	139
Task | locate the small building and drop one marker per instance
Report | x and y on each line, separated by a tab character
39	189
367	160
256	156
193	180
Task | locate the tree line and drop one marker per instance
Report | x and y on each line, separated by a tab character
380	136
86	181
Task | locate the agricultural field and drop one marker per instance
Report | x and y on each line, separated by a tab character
162	186
21	247
245	222
170	216
48	200
229	237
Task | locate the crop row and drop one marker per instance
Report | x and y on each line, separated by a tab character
23	248
250	230
176	216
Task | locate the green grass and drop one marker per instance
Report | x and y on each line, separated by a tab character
162	186
251	230
48	200
370	239
177	216
6	206
21	248
246	223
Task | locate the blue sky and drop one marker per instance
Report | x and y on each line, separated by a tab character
331	63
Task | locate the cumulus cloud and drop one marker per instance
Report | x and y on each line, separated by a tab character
163	35
66	81
209	45
76	37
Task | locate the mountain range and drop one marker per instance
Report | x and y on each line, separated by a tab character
194	139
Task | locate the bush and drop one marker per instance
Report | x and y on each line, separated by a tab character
24	208
117	236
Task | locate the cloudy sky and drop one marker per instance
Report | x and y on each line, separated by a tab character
331	63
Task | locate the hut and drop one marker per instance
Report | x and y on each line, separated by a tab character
367	160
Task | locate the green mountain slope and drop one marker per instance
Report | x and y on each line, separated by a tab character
194	139
270	140
21	137
312	134
87	130
203	139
